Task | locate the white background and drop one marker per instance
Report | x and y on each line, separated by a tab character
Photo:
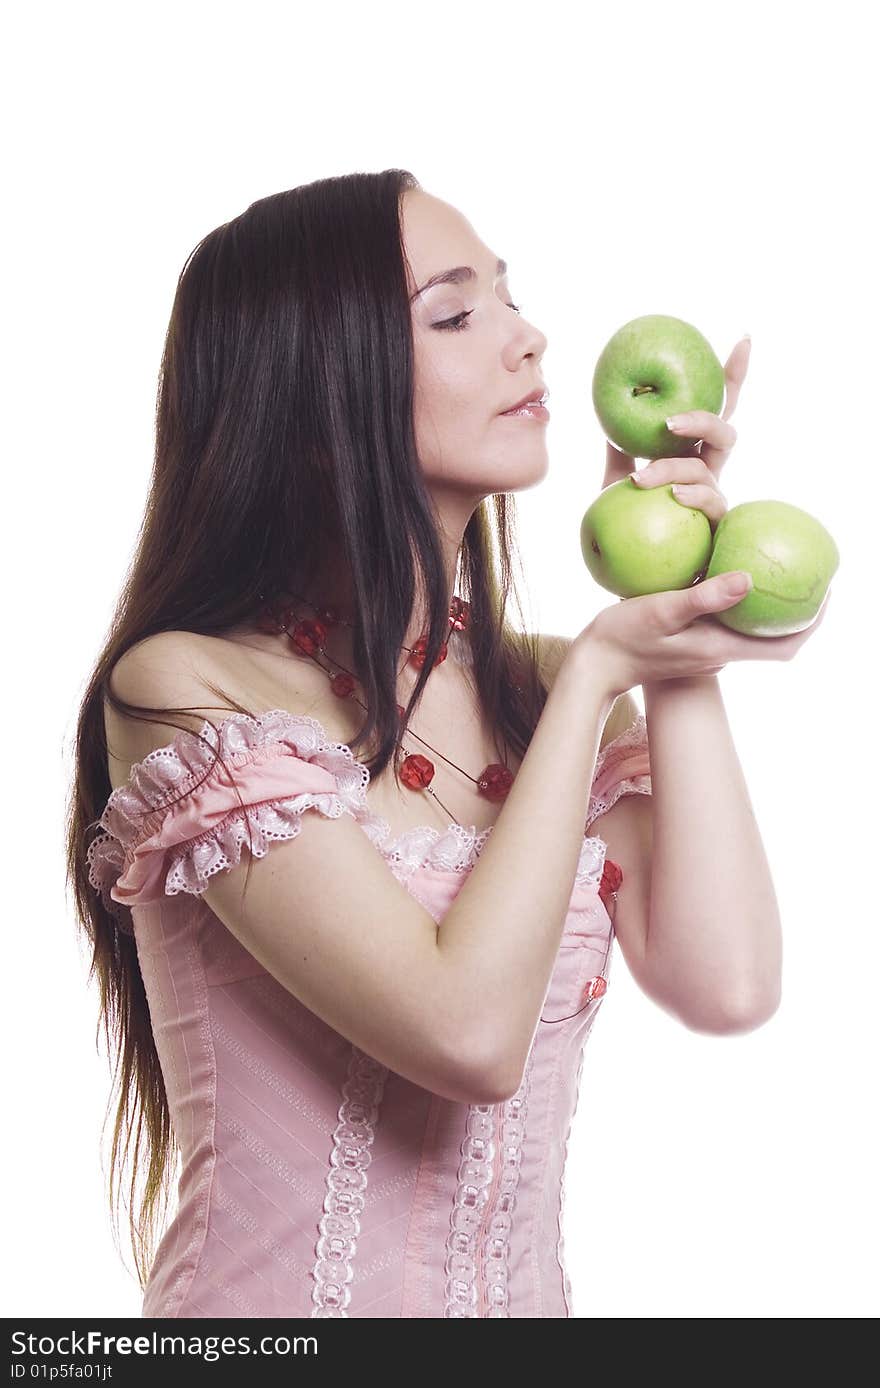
714	162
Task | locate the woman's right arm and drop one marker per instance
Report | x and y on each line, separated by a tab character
450	1007
500	937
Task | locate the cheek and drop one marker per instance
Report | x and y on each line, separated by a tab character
449	379
456	423
450	418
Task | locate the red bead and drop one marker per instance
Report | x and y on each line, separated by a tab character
595	988
342	685
459	614
417	655
495	781
401	711
612	876
309	636
417	772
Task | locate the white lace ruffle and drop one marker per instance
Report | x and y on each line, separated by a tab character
631	740
136	810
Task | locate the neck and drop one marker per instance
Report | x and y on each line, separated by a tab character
333	588
339	643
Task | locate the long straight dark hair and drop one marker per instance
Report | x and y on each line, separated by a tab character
284	426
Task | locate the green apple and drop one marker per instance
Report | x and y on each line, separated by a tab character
654	367
791	558
636	541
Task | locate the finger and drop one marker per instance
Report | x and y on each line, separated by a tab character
702	498
735	369
661	470
702	424
716	437
685	605
693	484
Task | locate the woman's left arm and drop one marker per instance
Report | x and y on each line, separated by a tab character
713	930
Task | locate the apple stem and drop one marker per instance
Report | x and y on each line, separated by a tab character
642	390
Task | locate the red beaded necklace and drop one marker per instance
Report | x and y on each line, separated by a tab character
416	772
309	636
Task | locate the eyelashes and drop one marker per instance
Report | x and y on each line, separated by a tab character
460	320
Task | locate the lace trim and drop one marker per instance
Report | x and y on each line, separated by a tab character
633	739
344	1202
496	1245
472	1267
135	810
475	1175
167	774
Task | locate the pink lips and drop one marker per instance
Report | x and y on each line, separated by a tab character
527	412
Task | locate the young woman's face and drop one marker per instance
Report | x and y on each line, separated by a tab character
466	376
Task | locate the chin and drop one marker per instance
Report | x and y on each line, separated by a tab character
506	472
526	474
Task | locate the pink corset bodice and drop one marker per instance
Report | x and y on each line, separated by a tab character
315	1181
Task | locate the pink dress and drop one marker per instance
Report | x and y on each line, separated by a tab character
314	1180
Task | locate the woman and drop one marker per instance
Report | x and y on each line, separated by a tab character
370	1074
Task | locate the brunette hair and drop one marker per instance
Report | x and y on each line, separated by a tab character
284	425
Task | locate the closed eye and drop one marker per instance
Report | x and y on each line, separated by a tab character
459	322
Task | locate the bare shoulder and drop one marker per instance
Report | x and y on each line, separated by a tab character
169	667
552	651
173	671
196	677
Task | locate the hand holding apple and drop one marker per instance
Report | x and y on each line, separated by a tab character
662	540
653	367
634	544
676	635
791	558
630	547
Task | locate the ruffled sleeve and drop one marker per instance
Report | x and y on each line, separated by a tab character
623	767
183	815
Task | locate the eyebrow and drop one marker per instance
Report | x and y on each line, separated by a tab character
459	275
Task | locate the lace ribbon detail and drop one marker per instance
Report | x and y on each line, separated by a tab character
339	1226
477	1246
622	768
475	1175
136	813
496	1246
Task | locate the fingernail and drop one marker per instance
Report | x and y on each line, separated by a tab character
747	337
641	473
739	583
678	421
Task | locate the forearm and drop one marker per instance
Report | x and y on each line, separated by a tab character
501	934
714	932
